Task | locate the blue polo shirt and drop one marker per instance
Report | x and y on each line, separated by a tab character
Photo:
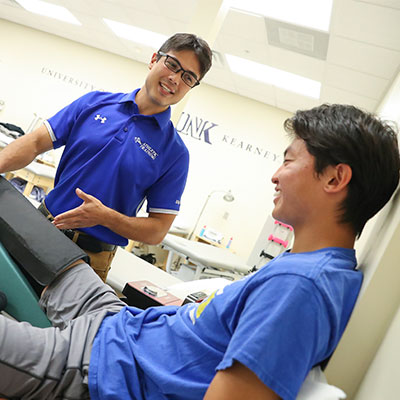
117	155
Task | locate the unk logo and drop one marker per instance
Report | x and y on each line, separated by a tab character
99	117
195	127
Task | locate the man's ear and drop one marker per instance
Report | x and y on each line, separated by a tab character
153	60
338	177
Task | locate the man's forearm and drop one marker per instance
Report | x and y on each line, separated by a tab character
150	230
22	151
15	156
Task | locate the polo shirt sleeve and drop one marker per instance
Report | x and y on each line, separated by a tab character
60	125
165	195
282	330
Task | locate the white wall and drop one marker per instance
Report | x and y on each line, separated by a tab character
41	73
27	59
382	379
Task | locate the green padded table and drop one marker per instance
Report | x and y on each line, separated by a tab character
22	300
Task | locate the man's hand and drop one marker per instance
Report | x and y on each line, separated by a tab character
92	211
89	213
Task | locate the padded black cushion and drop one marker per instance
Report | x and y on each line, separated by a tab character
36	244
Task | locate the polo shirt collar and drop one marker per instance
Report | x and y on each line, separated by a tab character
162	118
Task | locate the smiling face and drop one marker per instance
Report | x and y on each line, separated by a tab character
164	87
298	190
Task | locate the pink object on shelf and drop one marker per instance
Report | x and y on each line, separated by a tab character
275	239
284	225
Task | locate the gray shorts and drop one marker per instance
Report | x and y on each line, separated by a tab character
53	363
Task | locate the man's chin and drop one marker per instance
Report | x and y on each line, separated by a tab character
279	217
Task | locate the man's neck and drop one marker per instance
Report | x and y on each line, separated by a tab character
145	105
307	240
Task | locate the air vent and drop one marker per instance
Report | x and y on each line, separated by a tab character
296	38
12	3
217	59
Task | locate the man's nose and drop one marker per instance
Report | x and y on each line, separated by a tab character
175	77
274	178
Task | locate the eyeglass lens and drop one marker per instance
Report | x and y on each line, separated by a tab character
174	65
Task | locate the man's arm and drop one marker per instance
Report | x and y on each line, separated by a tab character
238	383
150	230
22	151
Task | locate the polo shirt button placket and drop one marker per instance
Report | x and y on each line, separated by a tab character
125	129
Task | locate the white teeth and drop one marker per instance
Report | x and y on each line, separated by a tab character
166	88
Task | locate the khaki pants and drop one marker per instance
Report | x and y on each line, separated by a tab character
100	262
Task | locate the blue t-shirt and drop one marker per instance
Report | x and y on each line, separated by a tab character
279	322
117	155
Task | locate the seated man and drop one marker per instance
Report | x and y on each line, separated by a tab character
258	337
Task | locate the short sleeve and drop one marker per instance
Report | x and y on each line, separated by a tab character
282	331
165	194
62	122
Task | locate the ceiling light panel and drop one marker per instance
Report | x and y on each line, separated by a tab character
49	10
135	34
273	76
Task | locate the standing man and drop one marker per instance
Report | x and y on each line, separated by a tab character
120	150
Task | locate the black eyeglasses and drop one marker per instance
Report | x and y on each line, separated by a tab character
175	66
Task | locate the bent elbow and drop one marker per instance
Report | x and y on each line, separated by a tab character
154	239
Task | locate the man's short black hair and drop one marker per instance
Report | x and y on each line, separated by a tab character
189	41
336	134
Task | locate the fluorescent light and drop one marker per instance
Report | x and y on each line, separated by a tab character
137	35
273	76
315	14
49	10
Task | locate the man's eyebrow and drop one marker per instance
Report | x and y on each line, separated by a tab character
286	151
186	70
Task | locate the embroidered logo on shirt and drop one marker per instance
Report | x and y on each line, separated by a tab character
99	117
146	148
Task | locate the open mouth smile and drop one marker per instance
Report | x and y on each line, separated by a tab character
166	88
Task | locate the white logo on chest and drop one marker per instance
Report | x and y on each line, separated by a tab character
99	117
146	148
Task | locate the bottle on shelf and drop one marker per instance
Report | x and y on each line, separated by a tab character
202	231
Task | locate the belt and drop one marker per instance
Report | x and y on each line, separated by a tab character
83	240
88	242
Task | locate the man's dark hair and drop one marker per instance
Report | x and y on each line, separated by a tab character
188	41
336	134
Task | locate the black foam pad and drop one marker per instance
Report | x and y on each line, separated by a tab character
3	301
34	242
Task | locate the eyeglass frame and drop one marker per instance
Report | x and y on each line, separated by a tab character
184	71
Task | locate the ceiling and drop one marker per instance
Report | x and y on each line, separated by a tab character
358	66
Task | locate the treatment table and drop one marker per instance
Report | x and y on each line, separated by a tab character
205	257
